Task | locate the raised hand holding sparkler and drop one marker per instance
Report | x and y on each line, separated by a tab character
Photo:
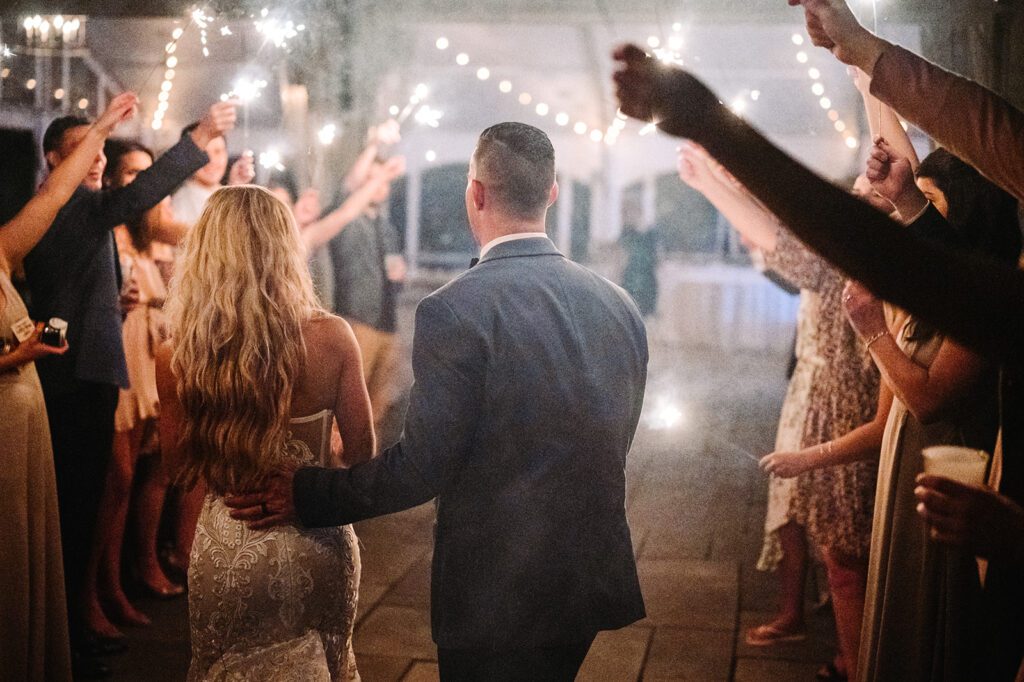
218	120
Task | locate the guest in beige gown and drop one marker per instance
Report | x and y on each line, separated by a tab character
922	604
33	613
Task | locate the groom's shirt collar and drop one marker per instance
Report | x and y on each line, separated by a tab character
511	238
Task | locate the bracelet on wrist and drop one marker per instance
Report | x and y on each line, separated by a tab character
868	343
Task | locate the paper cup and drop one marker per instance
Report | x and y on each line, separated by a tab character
965	465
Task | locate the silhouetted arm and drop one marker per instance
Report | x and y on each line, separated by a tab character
975	300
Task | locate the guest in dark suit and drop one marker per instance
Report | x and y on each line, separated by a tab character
530	374
73	273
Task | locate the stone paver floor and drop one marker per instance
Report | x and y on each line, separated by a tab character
695	502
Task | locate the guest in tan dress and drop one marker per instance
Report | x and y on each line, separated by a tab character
33	612
921	613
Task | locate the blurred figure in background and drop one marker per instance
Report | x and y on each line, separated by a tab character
368	272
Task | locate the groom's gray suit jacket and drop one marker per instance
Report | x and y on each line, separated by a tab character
529	379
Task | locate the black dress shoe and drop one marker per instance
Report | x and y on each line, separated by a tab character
85	667
104	646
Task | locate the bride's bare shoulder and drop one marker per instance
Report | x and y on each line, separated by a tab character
331	336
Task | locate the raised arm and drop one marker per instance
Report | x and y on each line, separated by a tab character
327	228
969	120
976	300
883	121
378	136
782	254
169	171
23	231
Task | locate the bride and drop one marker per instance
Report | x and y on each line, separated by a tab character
254	376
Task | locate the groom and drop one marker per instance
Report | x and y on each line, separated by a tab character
529	379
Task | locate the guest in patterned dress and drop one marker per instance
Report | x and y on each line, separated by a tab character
832	506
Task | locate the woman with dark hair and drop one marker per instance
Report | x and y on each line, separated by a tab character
921	599
135	418
976	209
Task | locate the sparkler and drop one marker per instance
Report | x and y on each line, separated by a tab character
271	159
245	90
277	31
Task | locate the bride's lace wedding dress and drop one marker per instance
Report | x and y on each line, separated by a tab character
278	604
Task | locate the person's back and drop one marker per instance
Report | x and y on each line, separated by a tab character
255	379
532	528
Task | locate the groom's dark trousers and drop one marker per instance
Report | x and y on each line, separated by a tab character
529	378
556	663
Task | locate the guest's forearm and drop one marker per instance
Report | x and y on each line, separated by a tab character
979	302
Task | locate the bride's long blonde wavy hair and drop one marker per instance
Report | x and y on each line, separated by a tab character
238	302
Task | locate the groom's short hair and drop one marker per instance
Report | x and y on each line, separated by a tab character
516	163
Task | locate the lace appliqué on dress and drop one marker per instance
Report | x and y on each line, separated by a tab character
272	605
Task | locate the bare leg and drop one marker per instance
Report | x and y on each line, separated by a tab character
847	578
792	571
126	453
115	489
152	492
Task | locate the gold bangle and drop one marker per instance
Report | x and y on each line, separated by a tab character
876	337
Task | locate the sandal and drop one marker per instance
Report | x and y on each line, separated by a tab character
769	634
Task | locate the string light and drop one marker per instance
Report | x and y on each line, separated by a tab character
428	116
653	42
430	156
394	109
813	73
802	57
798	39
818	89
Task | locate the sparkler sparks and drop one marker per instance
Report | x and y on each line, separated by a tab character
277	31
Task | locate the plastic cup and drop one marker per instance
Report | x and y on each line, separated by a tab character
965	465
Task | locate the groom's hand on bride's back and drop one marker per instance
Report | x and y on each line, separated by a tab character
272	506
